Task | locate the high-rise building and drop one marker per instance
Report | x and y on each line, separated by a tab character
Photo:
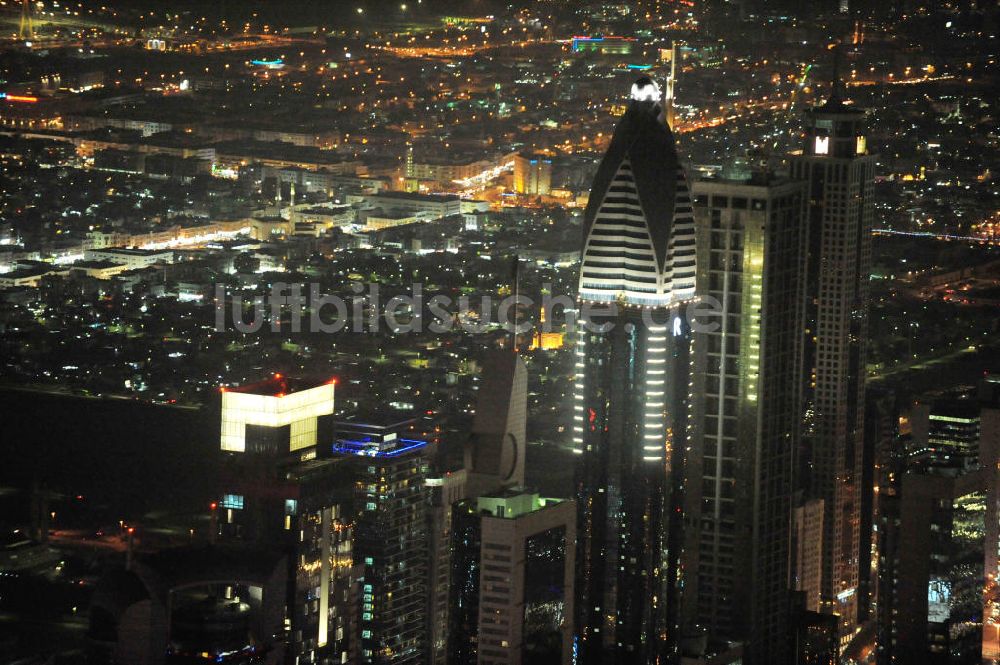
839	173
493	459
444	490
946	432
938	538
936	595
390	530
630	411
512	602
808	559
747	406
278	492
532	174
494	454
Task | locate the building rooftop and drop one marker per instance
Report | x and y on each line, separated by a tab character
278	385
134	251
96	265
417	196
513	502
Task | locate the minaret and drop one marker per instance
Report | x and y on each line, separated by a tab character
630	412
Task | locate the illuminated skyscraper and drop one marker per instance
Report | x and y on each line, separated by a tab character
632	373
840	176
747	406
390	536
279	493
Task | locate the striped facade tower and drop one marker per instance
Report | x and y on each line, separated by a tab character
630	410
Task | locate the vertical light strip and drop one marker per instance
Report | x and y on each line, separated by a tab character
578	392
654	434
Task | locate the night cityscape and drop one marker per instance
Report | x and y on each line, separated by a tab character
454	332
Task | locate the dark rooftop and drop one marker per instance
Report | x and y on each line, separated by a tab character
278	385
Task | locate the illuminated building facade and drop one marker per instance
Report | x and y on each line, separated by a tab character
391	542
512	597
947	433
746	400
808	558
277	416
278	494
840	176
532	175
630	412
936	596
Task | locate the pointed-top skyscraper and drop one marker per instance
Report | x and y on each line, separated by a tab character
638	268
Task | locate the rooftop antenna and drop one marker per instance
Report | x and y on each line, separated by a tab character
668	97
836	85
517	293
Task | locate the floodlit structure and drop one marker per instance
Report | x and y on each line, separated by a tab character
630	412
279	413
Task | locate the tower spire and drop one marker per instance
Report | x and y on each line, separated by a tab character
26	28
668	101
836	82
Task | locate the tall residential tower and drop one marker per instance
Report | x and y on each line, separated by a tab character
840	176
630	411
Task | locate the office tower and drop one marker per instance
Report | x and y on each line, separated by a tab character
879	463
630	411
938	545
494	454
532	174
390	535
746	398
277	492
275	416
815	638
946	432
493	459
512	601
840	175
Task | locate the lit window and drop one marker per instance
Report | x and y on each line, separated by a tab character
822	145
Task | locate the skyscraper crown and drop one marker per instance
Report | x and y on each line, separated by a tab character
638	228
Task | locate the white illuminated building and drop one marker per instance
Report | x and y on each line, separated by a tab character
278	412
639	246
637	271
